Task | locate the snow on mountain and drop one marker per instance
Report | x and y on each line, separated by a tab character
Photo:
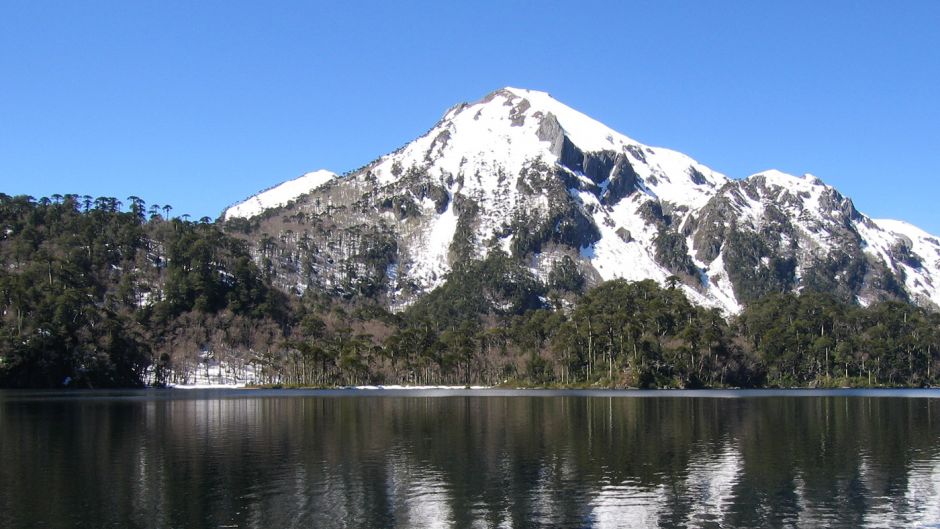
480	150
511	127
521	172
800	198
278	195
919	257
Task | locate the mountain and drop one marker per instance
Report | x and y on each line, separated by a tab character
521	173
278	195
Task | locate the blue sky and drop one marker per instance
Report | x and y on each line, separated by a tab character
200	104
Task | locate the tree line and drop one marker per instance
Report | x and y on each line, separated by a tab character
94	293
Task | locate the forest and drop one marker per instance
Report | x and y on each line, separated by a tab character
96	293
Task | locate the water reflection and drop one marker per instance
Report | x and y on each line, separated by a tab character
282	460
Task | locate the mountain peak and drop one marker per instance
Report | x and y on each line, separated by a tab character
583	130
521	172
787	180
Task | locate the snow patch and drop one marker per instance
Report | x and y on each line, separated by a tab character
429	252
279	195
923	280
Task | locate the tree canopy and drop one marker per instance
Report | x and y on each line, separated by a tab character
99	293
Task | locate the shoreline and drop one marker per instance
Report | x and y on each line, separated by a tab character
500	391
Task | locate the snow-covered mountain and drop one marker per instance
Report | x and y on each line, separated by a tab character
522	173
278	195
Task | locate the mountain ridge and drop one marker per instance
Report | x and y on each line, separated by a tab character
520	172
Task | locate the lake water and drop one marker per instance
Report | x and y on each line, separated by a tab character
361	458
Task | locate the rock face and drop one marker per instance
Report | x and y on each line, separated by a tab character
521	173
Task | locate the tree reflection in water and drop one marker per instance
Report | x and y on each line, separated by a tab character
293	460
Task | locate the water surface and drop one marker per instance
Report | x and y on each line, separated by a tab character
452	458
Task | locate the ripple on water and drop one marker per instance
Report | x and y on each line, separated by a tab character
311	460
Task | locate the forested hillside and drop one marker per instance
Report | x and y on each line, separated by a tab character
93	294
96	293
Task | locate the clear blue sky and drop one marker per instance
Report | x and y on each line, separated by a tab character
200	104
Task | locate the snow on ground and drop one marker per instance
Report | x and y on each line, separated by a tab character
877	240
809	190
749	211
614	258
721	286
430	248
634	260
478	141
209	373
489	142
904	228
279	195
672	171
920	279
207	386
397	387
584	131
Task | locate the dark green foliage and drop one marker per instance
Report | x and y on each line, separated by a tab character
463	245
416	186
673	253
91	295
639	334
814	339
565	276
497	285
55	261
841	274
671	250
714	222
366	267
241	225
437	194
562	222
86	290
890	283
402	205
568	226
754	269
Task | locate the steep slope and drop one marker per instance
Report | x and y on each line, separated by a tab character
777	232
914	255
278	195
520	172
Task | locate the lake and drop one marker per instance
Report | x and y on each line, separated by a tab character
475	458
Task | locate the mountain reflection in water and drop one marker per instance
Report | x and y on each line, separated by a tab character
361	459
